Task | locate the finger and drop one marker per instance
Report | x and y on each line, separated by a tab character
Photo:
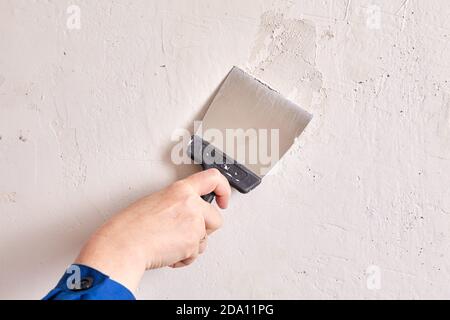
211	180
180	264
203	244
212	216
185	262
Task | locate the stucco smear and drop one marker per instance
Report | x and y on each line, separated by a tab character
358	208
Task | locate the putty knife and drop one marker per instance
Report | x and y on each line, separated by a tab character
248	127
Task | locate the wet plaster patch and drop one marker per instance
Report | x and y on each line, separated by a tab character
284	54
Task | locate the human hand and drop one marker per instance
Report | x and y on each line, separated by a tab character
167	228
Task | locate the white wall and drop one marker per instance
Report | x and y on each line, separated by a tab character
86	118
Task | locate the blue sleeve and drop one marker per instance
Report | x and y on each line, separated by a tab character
81	282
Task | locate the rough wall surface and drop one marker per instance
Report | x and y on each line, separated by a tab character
360	206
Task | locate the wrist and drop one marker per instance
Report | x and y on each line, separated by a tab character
120	260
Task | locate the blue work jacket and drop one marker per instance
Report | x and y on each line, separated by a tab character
81	282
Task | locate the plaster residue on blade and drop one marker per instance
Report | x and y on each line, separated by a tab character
252	123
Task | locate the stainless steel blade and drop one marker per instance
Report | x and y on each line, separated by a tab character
244	106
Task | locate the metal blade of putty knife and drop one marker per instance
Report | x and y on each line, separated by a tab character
248	127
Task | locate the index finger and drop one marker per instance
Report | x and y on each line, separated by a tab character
211	180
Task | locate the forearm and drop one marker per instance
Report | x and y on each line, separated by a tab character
168	228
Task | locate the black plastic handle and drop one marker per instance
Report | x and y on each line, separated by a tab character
239	177
209	197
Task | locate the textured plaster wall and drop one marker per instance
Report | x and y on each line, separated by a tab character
86	117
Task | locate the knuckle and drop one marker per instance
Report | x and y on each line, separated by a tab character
192	240
191	245
192	217
198	228
217	220
190	204
216	173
